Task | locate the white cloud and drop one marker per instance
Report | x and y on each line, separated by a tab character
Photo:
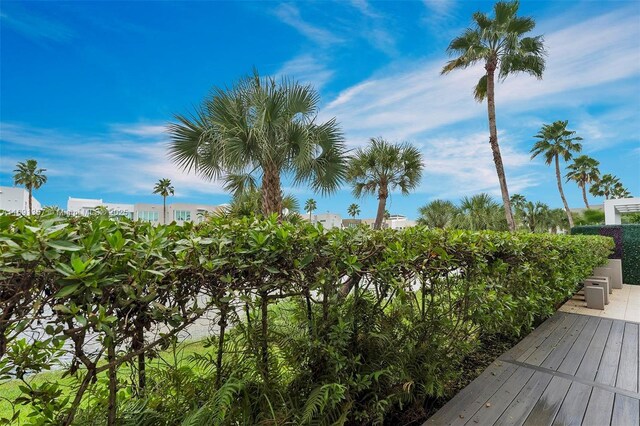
128	160
307	68
290	15
36	27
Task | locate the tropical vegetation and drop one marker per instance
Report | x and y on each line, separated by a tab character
310	206
261	129
289	347
555	141
500	45
31	177
164	188
609	187
584	171
353	210
382	167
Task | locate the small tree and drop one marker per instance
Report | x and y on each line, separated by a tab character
29	175
583	171
164	188
382	167
353	210
310	206
438	214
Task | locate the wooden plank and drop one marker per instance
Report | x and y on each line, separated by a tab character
626	411
547	407
600	407
589	365
574	405
556	357
527	345
552	341
518	411
571	362
498	402
461	407
608	368
628	368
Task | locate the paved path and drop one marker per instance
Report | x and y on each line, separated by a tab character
571	370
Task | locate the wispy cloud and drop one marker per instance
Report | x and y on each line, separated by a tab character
439	7
290	15
35	27
309	69
127	160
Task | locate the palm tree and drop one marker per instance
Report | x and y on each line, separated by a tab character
499	44
382	167
261	129
619	191
555	141
164	188
606	186
535	215
353	210
309	206
481	212
29	175
438	214
583	171
248	203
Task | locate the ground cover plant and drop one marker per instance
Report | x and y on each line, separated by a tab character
312	326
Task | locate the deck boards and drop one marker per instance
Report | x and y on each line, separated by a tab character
571	370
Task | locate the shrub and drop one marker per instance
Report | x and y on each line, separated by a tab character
312	326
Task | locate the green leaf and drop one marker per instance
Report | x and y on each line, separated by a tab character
64	245
66	290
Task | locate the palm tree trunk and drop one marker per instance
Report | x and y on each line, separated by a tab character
164	210
30	201
271	193
584	195
382	203
495	147
564	200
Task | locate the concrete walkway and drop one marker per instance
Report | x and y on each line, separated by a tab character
623	304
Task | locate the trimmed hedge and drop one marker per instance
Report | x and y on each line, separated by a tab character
313	327
627	240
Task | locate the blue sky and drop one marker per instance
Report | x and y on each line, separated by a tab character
87	89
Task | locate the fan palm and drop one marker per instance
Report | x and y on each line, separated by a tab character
353	210
499	44
382	167
164	188
438	214
535	216
481	212
555	141
619	191
606	186
248	203
309	206
261	129
28	174
583	171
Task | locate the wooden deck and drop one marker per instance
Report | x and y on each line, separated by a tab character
571	370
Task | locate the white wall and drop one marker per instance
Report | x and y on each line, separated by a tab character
16	200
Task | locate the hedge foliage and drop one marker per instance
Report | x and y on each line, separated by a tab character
312	326
627	239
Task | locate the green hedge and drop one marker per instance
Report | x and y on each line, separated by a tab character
312	326
627	239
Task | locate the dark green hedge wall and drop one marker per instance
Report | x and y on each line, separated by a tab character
627	239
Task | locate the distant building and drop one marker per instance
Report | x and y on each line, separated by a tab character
396	221
328	220
178	212
16	200
351	223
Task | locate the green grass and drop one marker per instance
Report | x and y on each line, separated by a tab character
10	390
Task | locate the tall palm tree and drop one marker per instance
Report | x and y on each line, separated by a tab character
583	171
481	212
438	214
619	191
261	129
28	174
555	141
499	44
606	186
164	188
353	210
382	167
309	206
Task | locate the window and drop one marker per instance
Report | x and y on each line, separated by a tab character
182	215
148	216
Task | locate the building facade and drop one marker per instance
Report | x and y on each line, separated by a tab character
16	200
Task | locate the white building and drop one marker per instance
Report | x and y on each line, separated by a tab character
613	209
397	221
328	220
85	206
16	200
